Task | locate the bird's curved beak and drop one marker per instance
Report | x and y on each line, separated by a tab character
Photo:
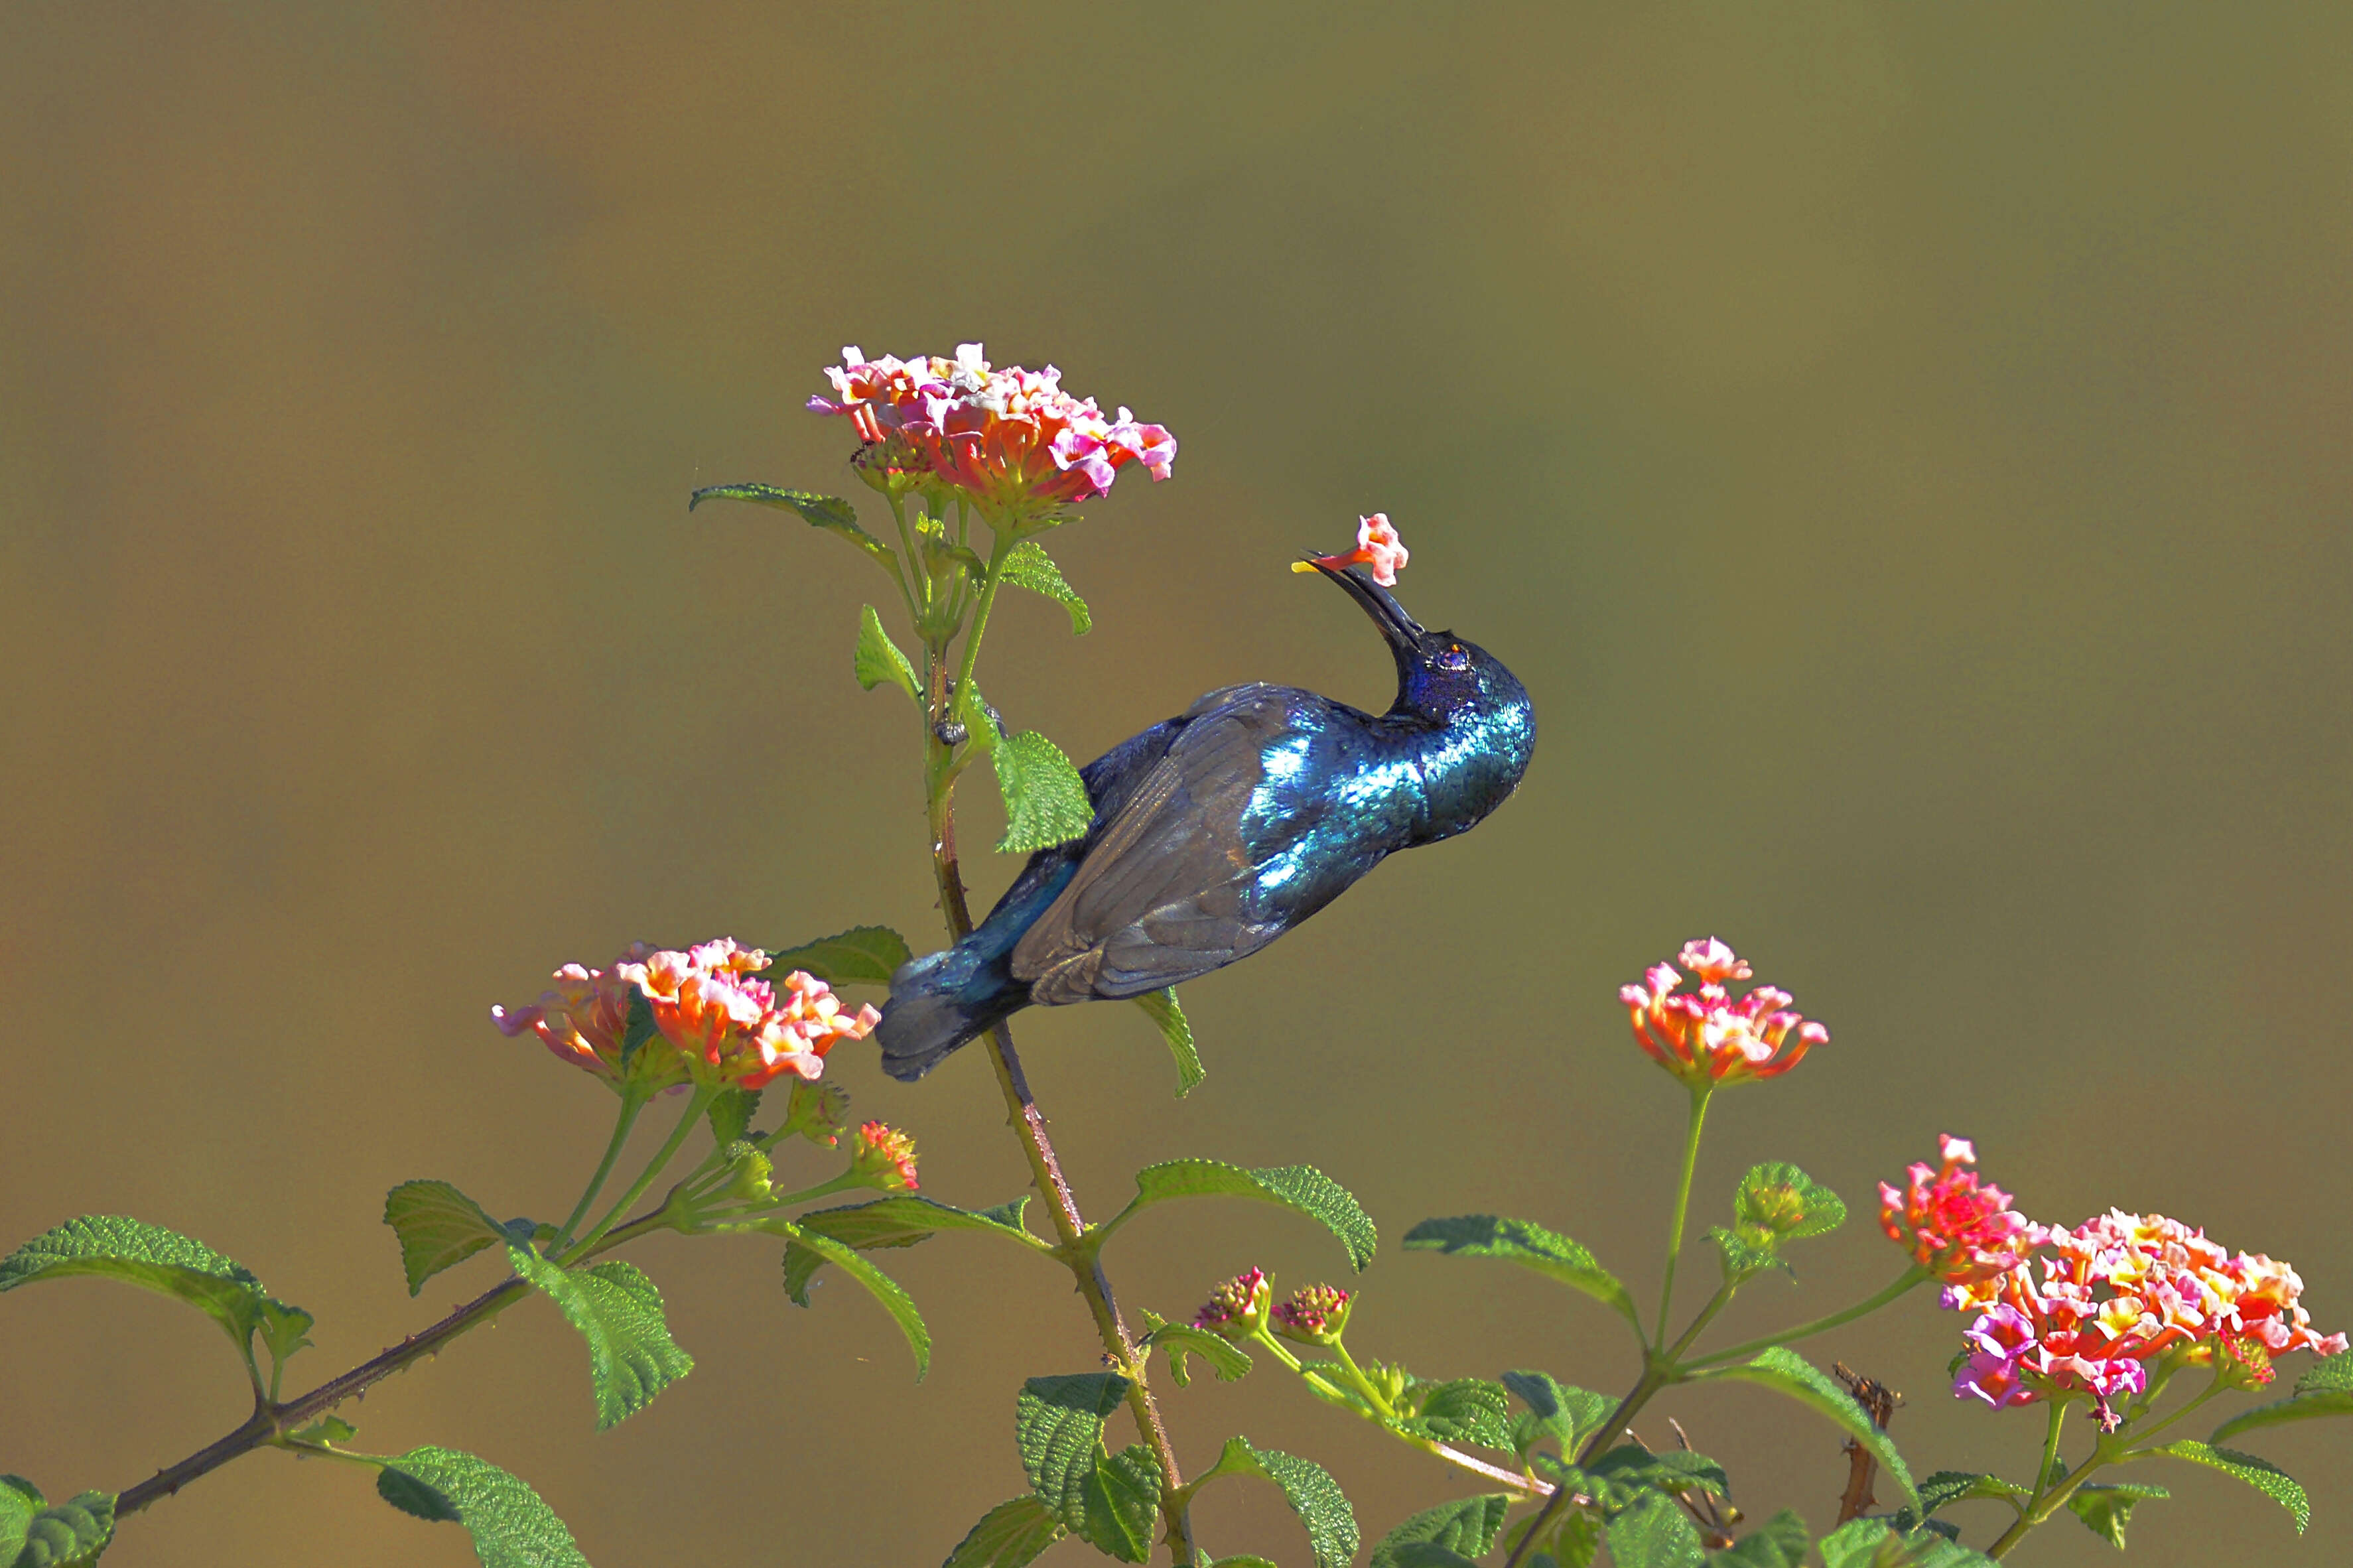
1402	631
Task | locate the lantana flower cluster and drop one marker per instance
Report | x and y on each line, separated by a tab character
1959	1229
1010	439
1238	1307
884	1157
1706	1035
2117	1293
721	1022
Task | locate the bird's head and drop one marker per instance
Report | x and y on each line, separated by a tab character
1440	676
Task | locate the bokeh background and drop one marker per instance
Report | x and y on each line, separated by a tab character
1903	450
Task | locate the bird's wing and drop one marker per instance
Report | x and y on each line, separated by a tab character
1161	896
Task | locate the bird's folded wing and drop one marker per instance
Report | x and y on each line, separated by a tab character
1162	895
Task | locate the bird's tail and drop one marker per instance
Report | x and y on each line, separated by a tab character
939	1001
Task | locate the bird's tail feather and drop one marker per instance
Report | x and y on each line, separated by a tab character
938	1003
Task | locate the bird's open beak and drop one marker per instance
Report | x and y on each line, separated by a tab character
1403	632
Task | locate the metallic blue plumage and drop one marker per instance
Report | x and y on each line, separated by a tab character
1220	829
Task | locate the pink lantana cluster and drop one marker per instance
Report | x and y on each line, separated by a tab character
722	1023
2117	1293
1007	437
1378	546
1706	1035
885	1158
1314	1314
1237	1308
1956	1228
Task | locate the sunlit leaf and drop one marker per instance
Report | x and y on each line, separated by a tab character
2261	1473
877	658
1530	1246
511	1527
1170	1019
832	513
1301	1187
438	1226
892	1296
863	955
618	1312
1027	565
1786	1371
1046	802
1011	1535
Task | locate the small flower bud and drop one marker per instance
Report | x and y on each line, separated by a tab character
747	1174
884	1158
818	1113
1237	1308
1315	1315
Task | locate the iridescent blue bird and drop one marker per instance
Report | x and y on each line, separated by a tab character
1218	830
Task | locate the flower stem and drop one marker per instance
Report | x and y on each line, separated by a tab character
1699	1100
633	1100
2047	1496
1903	1282
696	1104
1655	1376
1028	1123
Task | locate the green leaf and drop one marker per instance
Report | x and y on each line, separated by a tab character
900	1220
1786	1371
863	955
1170	1017
1122	1504
1529	1245
1745	1255
1058	1429
877	658
731	1114
1009	1535
1778	1199
2261	1473
1629	1469
1948	1487
1466	1527
1227	1359
1463	1410
2106	1509
832	513
618	1311
284	1329
2326	1390
510	1526
114	1247
327	1429
879	1285
1568	1414
1313	1495
1046	802
1301	1187
438	1226
1027	565
1870	1543
1008	1215
1779	1542
68	1535
1425	1554
1653	1532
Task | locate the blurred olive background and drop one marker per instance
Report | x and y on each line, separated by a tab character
1903	450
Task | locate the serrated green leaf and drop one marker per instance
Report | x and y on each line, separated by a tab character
1779	1198
1160	1007
2106	1509
902	1219
2261	1473
618	1312
2328	1374
1122	1504
1745	1256
1779	1542
832	513
1301	1187
1653	1532
1313	1495
1426	1554
879	1285
438	1226
1788	1373
1567	1414
877	658
1011	1535
1948	1487
67	1535
1008	1215
1529	1245
1463	1410
1046	802
1058	1429
1027	565
2323	1390
1227	1359
1629	1468
512	1527
863	955
115	1246
284	1329
731	1114
1465	1526
1870	1543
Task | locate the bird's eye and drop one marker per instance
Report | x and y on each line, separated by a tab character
1451	657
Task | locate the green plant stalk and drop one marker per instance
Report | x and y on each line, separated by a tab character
1028	1123
1655	1376
1706	1315
633	1101
1514	1479
697	1103
1911	1276
1699	1099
